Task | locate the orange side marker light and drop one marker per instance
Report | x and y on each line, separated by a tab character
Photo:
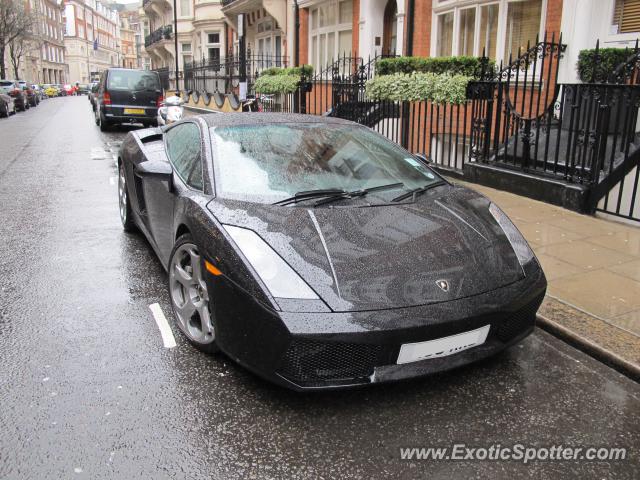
211	268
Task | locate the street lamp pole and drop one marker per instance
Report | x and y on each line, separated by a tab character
175	42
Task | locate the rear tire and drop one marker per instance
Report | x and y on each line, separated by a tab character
104	124
189	296
4	111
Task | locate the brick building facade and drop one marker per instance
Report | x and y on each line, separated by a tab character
92	36
317	31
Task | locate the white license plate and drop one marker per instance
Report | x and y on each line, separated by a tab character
442	347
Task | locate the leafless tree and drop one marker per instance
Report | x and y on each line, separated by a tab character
15	21
19	47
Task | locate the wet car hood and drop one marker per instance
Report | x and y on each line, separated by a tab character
386	256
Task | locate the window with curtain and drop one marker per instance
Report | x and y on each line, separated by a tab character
626	16
488	30
444	47
523	25
467	31
331	32
469	28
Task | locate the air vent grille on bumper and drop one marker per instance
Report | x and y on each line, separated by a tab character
310	361
519	322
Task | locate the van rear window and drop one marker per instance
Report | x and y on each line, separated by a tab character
132	80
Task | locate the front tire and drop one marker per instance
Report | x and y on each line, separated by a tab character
189	295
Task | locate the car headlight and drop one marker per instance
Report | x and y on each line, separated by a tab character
517	241
281	280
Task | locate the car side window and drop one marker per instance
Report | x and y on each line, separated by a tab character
183	149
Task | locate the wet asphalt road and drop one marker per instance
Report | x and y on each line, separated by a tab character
87	389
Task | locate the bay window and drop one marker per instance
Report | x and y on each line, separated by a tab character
330	32
498	27
269	41
212	47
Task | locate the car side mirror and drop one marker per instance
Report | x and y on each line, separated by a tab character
157	169
422	157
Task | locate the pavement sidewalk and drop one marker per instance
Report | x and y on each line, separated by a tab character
592	265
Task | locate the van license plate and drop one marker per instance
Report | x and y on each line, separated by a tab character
134	111
442	347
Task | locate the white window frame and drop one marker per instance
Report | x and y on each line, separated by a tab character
272	33
181	13
206	45
456	6
336	28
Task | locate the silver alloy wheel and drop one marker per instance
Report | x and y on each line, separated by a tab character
189	295
122	194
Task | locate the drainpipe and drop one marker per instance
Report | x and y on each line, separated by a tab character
410	7
296	22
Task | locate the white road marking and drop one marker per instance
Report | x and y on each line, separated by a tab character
165	330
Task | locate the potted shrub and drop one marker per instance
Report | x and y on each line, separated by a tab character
596	66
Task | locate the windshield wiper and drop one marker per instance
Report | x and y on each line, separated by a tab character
310	194
357	193
332	194
416	191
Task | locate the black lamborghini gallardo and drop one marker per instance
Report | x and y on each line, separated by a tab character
319	254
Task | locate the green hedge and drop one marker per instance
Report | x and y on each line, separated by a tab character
281	80
306	70
438	88
272	84
468	66
610	59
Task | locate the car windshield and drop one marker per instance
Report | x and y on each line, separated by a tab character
6	85
132	80
268	163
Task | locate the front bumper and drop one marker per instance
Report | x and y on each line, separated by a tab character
311	351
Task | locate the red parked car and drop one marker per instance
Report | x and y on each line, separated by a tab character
69	89
13	89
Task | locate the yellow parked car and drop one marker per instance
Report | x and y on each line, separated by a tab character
51	91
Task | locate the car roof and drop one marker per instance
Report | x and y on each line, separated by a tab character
260	118
130	69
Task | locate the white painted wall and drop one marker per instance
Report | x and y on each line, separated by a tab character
371	26
583	23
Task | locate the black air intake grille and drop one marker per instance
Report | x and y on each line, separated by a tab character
519	322
311	361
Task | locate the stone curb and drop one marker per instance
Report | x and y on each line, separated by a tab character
594	350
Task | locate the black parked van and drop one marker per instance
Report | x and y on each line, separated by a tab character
127	96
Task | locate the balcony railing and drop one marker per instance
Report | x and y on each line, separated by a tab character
227	2
162	33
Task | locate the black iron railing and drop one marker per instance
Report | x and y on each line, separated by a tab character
519	117
223	74
162	33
